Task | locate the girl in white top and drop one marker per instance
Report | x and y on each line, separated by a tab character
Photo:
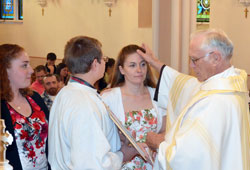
131	99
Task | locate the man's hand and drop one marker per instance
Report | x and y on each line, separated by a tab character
150	58
51	68
127	149
153	140
128	152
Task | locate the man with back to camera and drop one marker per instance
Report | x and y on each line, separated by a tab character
208	117
81	134
51	86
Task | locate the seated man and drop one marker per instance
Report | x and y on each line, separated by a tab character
40	73
81	134
50	65
51	86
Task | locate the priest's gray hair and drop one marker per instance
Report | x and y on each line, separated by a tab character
215	39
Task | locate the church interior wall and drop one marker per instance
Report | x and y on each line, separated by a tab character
230	17
64	19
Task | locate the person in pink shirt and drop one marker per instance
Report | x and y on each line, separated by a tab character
40	72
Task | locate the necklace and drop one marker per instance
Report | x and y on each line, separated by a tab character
16	106
18	103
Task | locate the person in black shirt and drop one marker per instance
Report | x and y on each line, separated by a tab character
50	65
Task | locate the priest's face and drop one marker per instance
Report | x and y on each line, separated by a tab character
201	60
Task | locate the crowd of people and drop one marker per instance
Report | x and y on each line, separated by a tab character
60	120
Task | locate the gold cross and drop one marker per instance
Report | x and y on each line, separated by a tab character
246	11
110	12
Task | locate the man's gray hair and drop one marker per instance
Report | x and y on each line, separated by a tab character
216	40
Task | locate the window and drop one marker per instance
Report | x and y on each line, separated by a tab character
11	10
203	11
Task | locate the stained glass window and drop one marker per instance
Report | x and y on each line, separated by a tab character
11	10
203	11
7	9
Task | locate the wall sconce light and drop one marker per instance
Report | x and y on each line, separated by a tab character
245	3
109	3
43	4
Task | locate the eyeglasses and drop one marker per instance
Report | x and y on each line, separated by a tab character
105	59
197	59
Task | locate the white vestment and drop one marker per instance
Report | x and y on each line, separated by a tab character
113	99
207	123
81	134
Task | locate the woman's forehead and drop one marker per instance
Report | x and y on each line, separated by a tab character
134	57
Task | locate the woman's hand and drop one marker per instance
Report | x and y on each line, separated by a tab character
153	139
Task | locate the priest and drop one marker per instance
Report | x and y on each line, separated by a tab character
208	116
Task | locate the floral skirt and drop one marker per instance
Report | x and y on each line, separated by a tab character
137	163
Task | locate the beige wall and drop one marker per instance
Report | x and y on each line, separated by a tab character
67	18
164	31
35	61
230	17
